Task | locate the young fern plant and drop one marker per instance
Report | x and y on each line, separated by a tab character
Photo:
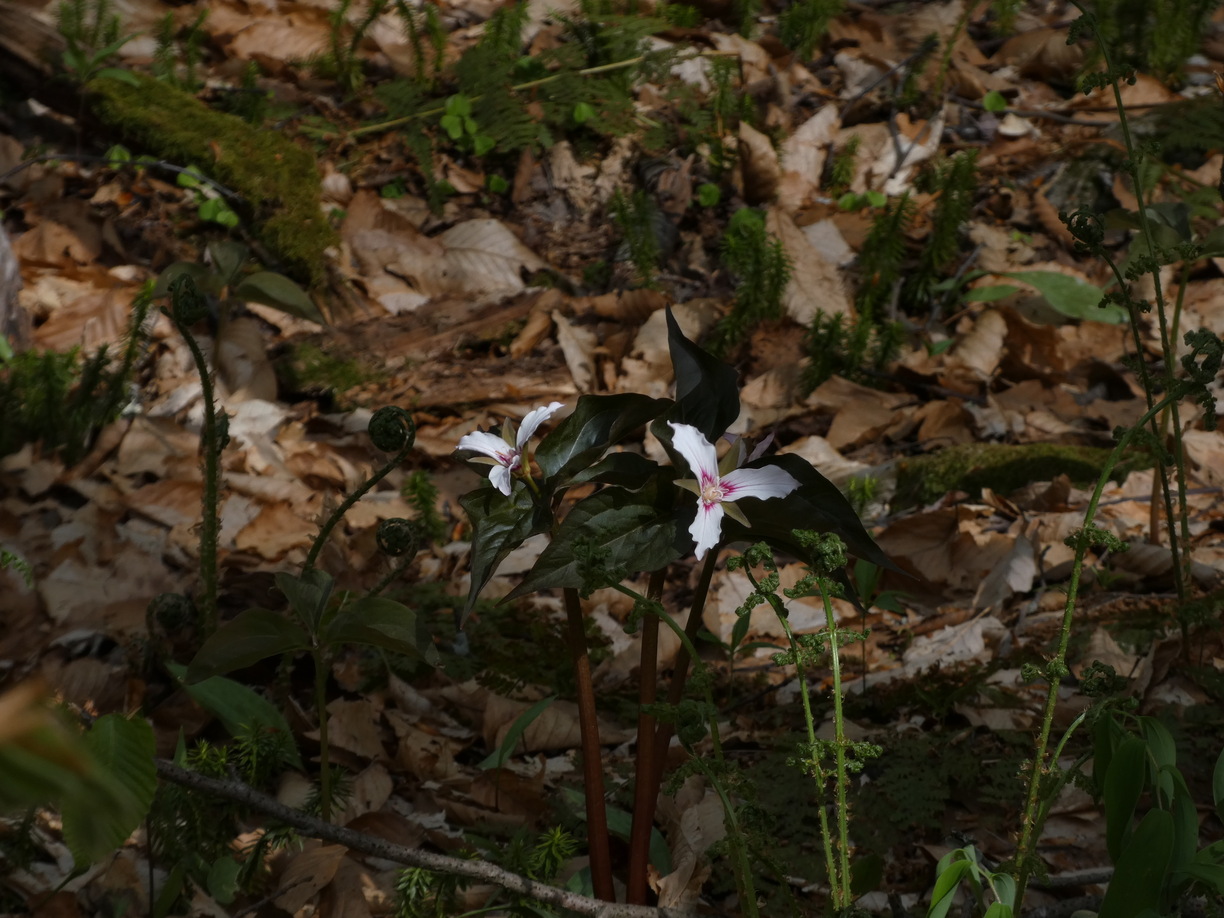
762	272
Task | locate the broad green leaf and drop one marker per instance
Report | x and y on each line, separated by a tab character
1070	296
308	595
598	422
625	470
222	880
253	635
277	291
1160	742
707	390
1140	874
946	882
380	622
993	101
1210	876
497	758
998	910
989	293
100	815
1123	786
227	259
500	524
816	504
608	536
1005	888
238	707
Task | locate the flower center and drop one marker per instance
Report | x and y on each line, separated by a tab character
711	491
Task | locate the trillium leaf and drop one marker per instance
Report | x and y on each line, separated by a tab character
500	524
252	636
598	421
308	595
707	390
816	504
610	535
626	470
380	622
277	291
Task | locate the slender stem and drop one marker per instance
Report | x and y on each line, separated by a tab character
646	794
209	523
675	694
592	755
320	663
842	892
1031	821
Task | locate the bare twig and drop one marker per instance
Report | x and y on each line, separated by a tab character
412	857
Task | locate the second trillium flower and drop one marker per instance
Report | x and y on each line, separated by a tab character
717	492
505	453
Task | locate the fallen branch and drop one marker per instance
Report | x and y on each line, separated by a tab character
411	857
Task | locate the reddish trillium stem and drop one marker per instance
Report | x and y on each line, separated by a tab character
646	789
592	753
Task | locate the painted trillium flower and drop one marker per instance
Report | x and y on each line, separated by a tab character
717	491
505	453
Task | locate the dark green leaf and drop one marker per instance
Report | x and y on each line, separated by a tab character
1123	786
206	281
238	707
1141	872
308	595
707	390
227	258
816	504
385	623
252	636
1070	296
500	524
279	292
598	421
626	470
609	535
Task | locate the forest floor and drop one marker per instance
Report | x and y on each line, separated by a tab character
479	287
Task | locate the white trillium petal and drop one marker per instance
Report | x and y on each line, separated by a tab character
487	443
706	528
697	451
770	481
499	475
535	417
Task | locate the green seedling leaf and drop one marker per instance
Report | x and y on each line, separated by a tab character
876	198
482	143
497	758
993	101
850	201
1070	296
597	422
251	636
453	125
608	536
707	390
500	524
227	259
583	112
308	595
100	815
1123	786
118	154
385	623
459	105
277	291
217	211
238	707
1138	882
497	184
222	880
708	194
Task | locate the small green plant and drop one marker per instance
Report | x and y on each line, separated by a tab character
175	59
461	127
92	32
210	205
421	492
341	61
804	23
963	866
762	272
61	401
637	217
842	165
1151	40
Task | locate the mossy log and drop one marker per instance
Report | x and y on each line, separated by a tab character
1002	467
277	179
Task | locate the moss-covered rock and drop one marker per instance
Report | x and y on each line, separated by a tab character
278	180
1002	467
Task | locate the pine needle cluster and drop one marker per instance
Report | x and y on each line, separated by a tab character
762	272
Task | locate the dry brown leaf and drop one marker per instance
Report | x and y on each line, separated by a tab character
355	726
578	344
242	361
758	165
979	352
816	284
694	821
803	158
345	896
307	873
1042	54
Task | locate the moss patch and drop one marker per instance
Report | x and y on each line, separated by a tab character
278	180
1003	467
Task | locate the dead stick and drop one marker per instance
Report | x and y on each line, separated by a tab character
645	793
592	753
481	871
